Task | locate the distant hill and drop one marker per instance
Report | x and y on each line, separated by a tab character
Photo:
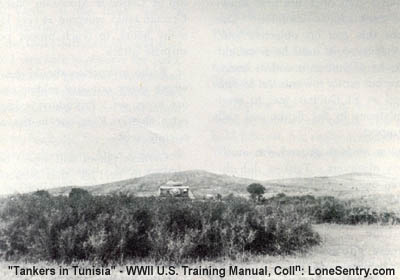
201	183
375	190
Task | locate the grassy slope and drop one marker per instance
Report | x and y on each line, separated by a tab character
375	190
350	246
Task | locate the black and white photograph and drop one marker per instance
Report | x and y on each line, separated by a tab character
199	139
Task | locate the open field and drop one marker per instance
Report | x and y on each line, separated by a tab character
369	246
377	191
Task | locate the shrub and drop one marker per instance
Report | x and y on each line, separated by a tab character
121	227
327	209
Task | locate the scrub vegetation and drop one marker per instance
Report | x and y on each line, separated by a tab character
117	228
121	227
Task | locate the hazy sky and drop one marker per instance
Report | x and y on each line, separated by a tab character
94	91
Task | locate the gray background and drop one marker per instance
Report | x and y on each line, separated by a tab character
96	91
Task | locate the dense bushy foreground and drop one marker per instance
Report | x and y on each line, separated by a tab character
118	228
327	209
